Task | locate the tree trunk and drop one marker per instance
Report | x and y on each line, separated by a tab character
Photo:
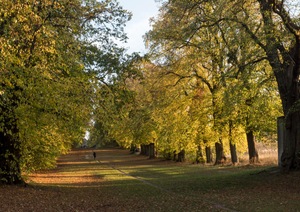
290	158
174	155
132	148
10	153
285	63
233	154
253	154
143	149
151	151
147	150
181	156
220	156
234	158
209	158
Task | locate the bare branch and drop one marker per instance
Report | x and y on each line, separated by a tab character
279	9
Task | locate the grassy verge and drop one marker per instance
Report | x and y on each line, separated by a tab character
244	188
118	181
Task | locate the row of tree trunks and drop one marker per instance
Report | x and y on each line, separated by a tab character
180	156
148	150
220	156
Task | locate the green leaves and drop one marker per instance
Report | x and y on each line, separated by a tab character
203	48
47	90
206	68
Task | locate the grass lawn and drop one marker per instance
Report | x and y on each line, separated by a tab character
119	181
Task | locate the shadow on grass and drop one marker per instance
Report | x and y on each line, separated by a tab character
133	183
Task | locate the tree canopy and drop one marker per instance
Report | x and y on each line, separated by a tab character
207	82
218	74
46	87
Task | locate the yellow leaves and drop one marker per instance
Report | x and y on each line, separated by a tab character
58	5
49	47
47	75
154	135
42	70
8	83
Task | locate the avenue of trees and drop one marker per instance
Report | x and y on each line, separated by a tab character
47	85
217	76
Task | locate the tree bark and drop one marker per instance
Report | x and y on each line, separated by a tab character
233	154
253	154
132	148
147	150
181	156
220	156
143	149
234	158
209	158
290	158
151	151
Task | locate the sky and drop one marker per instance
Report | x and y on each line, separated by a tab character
142	11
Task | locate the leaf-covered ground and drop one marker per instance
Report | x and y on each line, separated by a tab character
119	181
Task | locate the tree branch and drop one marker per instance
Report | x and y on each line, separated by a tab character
287	20
205	81
181	77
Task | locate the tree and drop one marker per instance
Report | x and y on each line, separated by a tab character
203	57
267	25
45	91
273	26
283	54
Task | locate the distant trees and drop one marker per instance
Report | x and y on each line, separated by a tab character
207	85
222	59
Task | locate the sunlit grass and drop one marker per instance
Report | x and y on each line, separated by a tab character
188	187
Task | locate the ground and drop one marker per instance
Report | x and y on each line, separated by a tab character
119	181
